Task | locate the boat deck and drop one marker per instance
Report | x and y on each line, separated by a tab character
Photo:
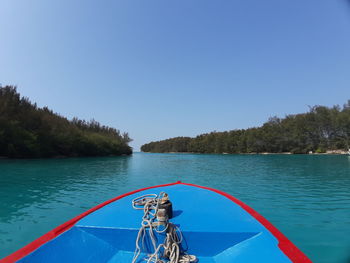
214	228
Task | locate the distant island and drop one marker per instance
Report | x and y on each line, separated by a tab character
27	131
321	130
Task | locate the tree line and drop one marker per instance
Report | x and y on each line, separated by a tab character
27	131
320	129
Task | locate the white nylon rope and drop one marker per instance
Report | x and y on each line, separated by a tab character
173	239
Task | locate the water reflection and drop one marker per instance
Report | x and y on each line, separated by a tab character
36	182
37	195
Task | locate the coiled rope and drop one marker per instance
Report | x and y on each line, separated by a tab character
155	220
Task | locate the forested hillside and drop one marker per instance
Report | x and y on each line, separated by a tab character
319	130
27	131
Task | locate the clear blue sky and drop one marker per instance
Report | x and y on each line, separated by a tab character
160	69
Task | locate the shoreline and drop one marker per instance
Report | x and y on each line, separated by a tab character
58	157
330	152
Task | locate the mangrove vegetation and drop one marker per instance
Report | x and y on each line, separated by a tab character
319	130
27	131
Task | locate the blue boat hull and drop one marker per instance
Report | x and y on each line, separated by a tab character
216	228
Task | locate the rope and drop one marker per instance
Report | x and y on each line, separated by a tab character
169	251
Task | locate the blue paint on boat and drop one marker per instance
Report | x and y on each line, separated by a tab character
214	228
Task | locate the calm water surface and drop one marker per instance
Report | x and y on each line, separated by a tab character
306	197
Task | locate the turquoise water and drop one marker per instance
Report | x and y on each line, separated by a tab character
306	196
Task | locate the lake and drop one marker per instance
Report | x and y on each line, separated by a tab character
307	197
